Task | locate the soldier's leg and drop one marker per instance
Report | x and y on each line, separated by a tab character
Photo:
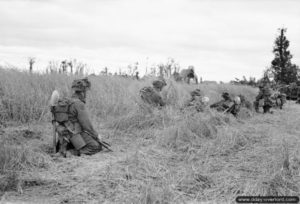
61	147
255	104
267	109
92	146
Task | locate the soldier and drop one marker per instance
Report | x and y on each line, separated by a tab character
227	105
73	125
197	101
245	103
264	95
151	95
278	99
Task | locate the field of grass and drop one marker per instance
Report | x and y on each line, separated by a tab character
160	156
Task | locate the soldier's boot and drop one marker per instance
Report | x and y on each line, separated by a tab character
267	109
62	148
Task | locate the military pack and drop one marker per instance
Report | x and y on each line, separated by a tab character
67	125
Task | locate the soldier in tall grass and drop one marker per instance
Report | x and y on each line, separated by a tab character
197	101
227	104
151	95
263	99
245	103
74	127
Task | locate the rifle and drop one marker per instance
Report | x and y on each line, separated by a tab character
54	134
104	144
229	109
215	105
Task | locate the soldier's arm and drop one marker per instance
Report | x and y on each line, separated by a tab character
216	104
259	96
83	118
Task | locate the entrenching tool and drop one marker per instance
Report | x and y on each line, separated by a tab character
53	101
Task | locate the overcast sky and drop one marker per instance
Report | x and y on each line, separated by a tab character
223	39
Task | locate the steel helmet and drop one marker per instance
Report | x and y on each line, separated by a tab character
81	84
196	92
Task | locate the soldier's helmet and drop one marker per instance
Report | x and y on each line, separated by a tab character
159	84
225	95
196	92
81	84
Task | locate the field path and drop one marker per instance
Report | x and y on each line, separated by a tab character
80	179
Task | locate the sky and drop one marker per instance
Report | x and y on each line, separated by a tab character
222	39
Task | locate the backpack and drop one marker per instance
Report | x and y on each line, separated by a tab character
149	95
61	110
67	127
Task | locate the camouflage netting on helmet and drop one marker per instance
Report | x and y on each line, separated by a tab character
196	92
225	95
159	83
81	84
150	96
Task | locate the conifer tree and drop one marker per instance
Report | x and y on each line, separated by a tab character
284	71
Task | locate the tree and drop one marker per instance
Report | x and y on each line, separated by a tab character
64	66
31	61
53	67
132	68
283	70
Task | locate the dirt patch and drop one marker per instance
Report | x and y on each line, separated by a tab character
29	134
19	136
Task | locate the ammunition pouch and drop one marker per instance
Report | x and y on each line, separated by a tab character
61	113
77	141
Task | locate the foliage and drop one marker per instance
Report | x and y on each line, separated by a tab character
281	66
251	82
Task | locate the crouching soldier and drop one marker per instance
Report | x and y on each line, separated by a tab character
74	128
197	101
151	95
227	105
279	99
263	99
245	103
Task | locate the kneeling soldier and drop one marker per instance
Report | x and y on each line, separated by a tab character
151	95
227	105
73	125
264	96
197	101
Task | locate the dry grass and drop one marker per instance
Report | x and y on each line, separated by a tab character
171	156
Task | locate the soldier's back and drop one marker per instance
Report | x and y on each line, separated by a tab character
150	96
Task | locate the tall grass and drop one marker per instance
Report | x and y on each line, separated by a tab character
192	156
25	96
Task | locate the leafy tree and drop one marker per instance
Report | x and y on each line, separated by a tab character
31	61
244	81
284	71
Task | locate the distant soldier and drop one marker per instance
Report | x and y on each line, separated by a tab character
151	95
245	103
227	105
298	96
72	122
137	76
197	101
263	99
279	99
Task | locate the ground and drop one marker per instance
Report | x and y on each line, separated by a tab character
246	157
